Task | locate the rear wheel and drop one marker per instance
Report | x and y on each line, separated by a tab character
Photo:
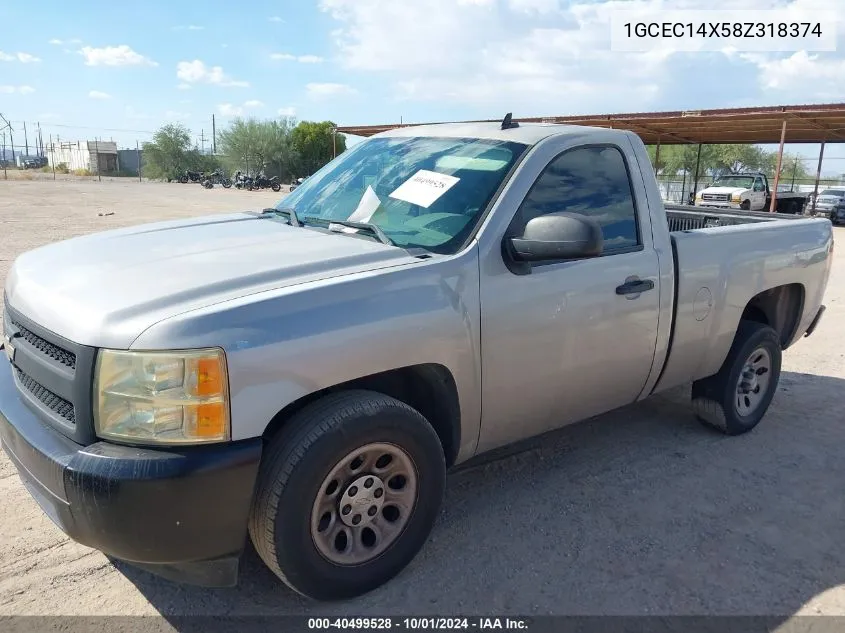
736	398
183	180
347	494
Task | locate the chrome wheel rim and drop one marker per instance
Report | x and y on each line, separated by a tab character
364	504
753	381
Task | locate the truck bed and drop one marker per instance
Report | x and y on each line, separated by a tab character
690	218
720	261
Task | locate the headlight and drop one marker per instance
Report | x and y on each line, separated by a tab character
698	196
162	397
735	197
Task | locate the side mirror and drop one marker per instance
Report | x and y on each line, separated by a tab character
558	236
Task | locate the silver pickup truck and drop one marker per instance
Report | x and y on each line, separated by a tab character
306	375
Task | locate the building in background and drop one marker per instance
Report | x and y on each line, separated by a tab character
128	161
95	156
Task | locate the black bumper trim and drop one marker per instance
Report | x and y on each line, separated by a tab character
178	512
815	321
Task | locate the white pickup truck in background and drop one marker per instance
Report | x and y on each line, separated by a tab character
748	192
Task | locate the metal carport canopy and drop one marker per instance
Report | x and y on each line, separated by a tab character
804	124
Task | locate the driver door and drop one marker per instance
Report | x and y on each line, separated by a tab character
758	195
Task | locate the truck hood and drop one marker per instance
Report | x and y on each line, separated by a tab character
723	189
105	289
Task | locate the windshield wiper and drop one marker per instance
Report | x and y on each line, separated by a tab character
293	219
364	226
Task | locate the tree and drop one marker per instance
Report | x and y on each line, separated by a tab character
251	145
164	157
315	145
170	154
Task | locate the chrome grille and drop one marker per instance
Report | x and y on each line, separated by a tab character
66	358
716	197
55	403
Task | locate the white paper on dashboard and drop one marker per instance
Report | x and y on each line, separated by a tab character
366	206
424	187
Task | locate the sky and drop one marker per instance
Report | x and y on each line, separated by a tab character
120	70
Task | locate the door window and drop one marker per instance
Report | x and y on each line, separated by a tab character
591	181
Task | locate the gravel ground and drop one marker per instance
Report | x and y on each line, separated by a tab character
641	511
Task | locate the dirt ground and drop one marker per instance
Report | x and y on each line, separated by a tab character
641	511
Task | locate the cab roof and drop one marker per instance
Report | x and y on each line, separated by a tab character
525	133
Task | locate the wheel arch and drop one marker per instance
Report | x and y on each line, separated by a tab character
780	308
429	388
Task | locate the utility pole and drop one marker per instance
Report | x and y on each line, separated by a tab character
25	140
53	156
202	140
11	139
213	135
97	145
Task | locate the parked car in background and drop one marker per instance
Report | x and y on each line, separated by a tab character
831	202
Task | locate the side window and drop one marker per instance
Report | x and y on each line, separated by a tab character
758	185
592	181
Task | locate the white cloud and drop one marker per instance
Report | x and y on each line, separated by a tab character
800	73
55	42
21	90
534	6
197	72
96	94
190	27
114	56
175	115
275	18
302	59
227	109
321	90
289	111
546	56
230	109
24	58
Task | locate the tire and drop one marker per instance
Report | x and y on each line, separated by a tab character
277	187
226	184
717	400
296	470
745	205
183	180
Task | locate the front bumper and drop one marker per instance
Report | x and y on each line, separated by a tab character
179	512
714	204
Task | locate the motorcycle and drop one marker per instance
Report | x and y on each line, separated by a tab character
263	182
242	181
216	178
190	176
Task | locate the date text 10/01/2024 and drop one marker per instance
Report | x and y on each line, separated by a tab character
423	623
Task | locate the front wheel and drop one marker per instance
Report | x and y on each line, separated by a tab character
736	398
277	187
226	184
183	180
347	494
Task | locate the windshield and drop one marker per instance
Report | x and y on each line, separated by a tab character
421	192
839	193
735	181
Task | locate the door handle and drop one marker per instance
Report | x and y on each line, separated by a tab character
635	286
